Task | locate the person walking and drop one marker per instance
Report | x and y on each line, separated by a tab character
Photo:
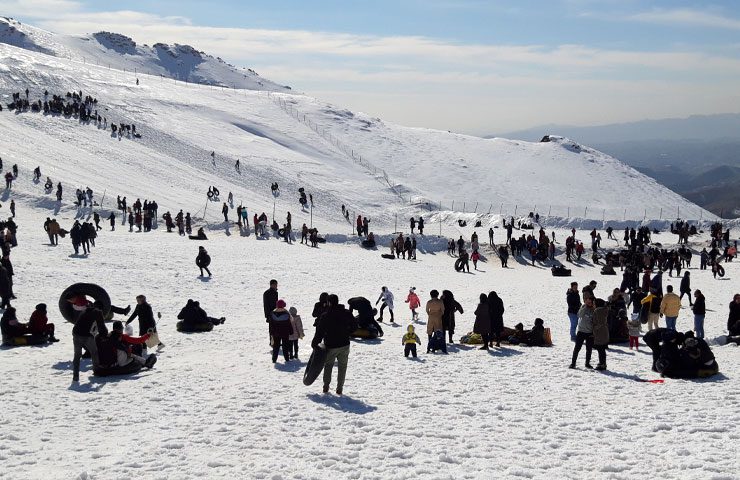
387	297
203	260
584	332
333	329
147	324
496	307
601	331
685	287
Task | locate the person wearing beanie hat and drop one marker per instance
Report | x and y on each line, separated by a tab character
83	336
297	334
281	328
39	323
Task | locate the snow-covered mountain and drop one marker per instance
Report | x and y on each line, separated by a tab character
114	50
345	158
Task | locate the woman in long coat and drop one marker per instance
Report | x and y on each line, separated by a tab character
482	325
496	307
448	318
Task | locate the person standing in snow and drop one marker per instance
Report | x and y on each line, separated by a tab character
225	211
387	297
90	319
409	341
413	224
12	207
482	325
413	300
496	309
601	331
573	299
448	317
584	332
281	328
297	334
112	219
421	225
269	299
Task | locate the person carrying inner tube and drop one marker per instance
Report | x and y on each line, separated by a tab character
82	336
333	329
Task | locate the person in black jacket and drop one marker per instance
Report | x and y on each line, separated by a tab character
320	307
448	317
82	333
573	298
686	287
733	320
269	299
652	339
147	324
193	314
203	260
496	310
699	309
334	328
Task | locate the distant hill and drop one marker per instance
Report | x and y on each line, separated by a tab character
684	154
695	127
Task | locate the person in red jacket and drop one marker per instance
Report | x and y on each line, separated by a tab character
123	344
39	323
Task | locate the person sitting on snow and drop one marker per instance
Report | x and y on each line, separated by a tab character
124	347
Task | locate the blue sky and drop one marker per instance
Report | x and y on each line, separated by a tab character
470	66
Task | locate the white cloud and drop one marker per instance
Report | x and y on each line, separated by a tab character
401	77
38	9
688	17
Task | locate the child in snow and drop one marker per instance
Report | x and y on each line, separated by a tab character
633	326
413	300
409	342
297	333
475	257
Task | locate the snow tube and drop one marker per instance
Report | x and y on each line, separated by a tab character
98	294
368	244
608	271
195	327
720	271
389	256
314	366
133	367
281	232
211	194
370	333
320	240
459	265
19	340
560	272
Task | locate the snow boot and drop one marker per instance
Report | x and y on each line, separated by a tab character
588	365
150	361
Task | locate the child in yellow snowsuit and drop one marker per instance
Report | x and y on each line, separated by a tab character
409	342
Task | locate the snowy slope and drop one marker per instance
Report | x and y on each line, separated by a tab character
114	50
422	166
